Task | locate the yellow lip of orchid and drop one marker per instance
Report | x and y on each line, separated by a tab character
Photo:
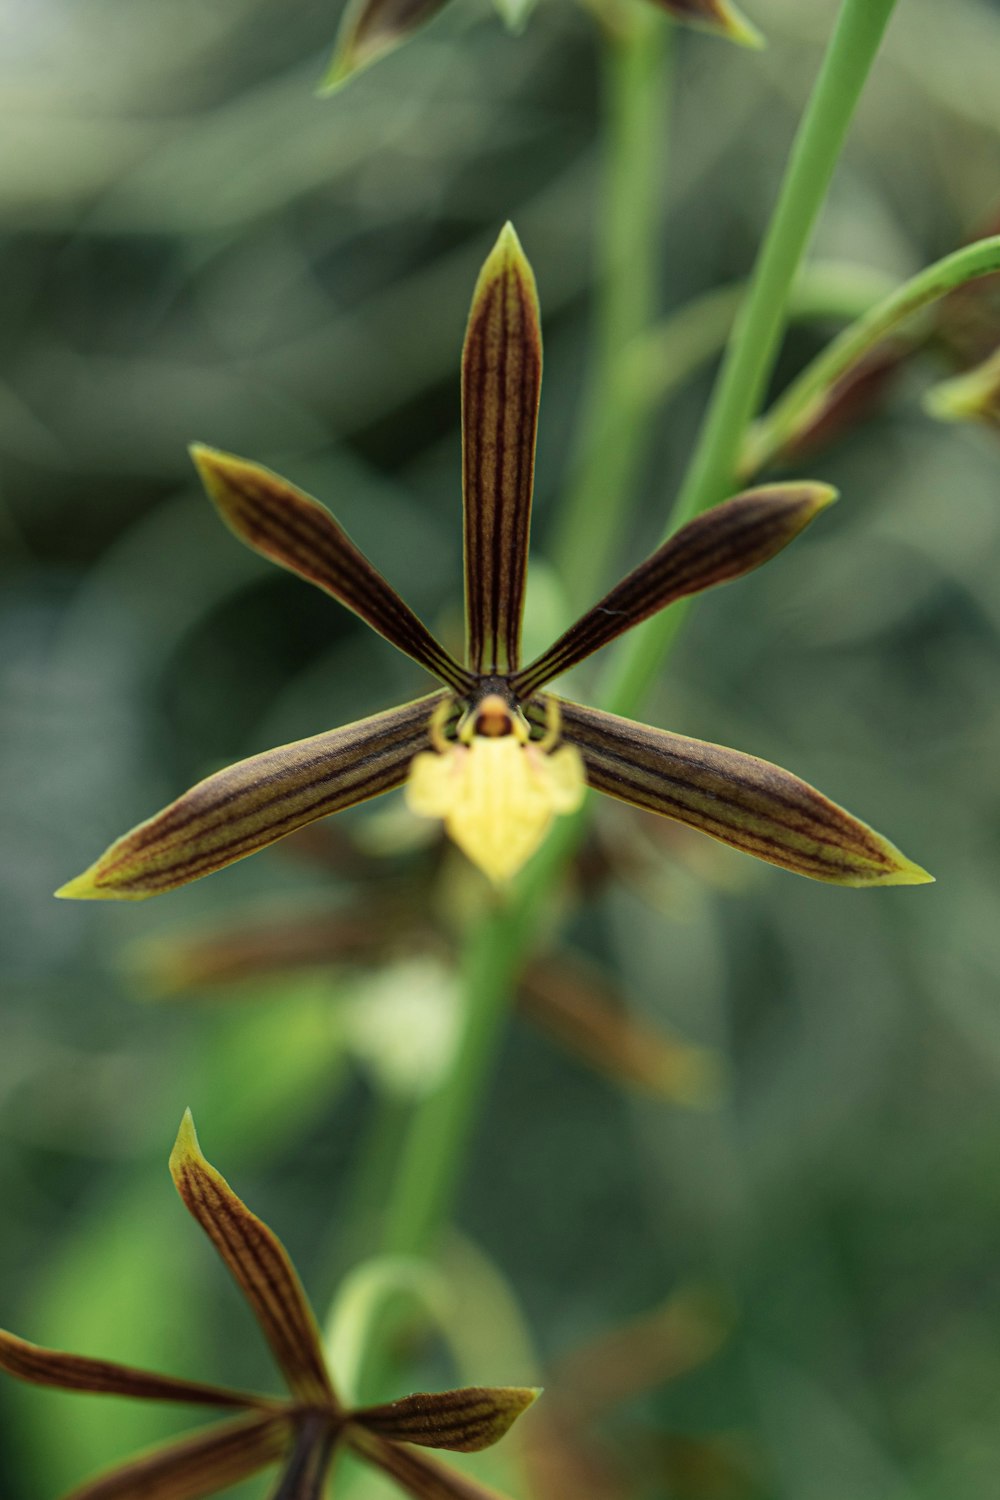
496	790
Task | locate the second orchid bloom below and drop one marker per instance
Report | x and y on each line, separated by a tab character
491	754
302	1432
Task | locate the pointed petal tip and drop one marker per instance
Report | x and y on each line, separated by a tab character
88	887
186	1146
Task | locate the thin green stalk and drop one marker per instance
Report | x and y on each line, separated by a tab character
435	1150
613	426
757	334
796	408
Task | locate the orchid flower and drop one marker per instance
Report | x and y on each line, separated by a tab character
490	753
302	1432
372	28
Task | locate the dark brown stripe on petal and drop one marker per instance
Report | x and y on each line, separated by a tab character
416	1473
501	384
75	1372
255	802
725	543
463	1421
261	1268
193	1467
292	529
748	803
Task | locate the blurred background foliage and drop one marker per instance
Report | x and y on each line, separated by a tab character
803	1277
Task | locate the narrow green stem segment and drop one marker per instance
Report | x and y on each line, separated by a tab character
798	406
613	425
753	347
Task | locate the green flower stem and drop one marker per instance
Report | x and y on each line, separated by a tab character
753	347
662	360
613	425
794	411
435	1150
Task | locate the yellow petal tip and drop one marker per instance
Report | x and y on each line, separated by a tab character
186	1145
83	888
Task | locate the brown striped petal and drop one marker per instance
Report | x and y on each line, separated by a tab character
256	801
418	1475
501	382
720	16
745	802
463	1421
306	1474
722	544
75	1372
196	1466
372	28
295	531
260	1267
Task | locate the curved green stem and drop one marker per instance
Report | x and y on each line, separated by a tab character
798	406
757	333
612	425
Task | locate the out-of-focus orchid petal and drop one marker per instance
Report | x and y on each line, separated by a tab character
416	1473
371	29
306	1473
748	803
256	801
75	1372
259	1265
194	1467
580	1010
973	397
501	383
463	1421
292	529
720	16
724	543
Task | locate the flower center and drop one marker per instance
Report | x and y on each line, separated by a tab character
496	790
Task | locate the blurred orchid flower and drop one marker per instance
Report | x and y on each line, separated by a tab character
372	28
490	754
303	1432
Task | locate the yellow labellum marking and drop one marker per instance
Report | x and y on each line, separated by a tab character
496	792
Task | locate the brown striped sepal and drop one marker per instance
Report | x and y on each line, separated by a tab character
369	30
251	804
720	16
463	1421
76	1372
308	1468
417	1473
743	801
190	1468
261	1268
501	384
723	543
288	527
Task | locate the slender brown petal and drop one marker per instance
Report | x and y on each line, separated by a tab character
501	382
254	802
580	1008
715	15
75	1372
724	543
463	1421
260	1266
372	28
417	1474
749	803
306	1473
295	531
196	1466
